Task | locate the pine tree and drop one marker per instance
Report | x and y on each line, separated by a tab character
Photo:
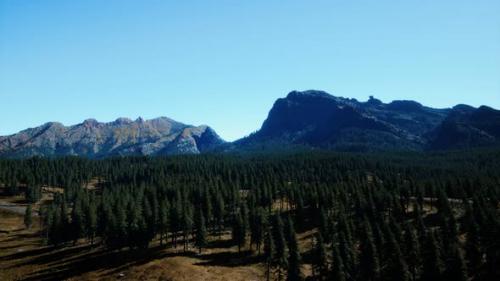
280	243
320	260
219	213
348	256
91	220
294	259
28	220
207	206
175	219
77	221
269	252
456	268
323	224
201	231
257	225
33	193
473	249
397	267
433	264
65	222
369	262
338	270
187	224
239	231
163	220
412	250
55	237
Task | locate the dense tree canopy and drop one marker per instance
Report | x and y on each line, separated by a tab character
377	216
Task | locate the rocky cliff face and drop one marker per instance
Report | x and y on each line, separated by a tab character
312	119
317	119
121	137
467	127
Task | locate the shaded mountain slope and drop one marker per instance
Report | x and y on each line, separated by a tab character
319	120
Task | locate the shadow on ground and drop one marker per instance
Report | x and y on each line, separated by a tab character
69	262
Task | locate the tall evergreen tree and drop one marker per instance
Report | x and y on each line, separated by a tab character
412	250
473	250
369	262
280	243
28	219
219	213
257	225
338	271
294	259
456	268
163	225
91	220
320	259
239	231
77	221
201	231
433	263
269	252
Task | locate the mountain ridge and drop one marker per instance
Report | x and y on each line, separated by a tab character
319	120
91	138
312	119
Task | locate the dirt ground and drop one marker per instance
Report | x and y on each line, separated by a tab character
24	257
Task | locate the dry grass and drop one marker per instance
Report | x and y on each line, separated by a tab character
24	257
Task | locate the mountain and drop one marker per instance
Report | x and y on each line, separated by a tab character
467	127
308	119
319	120
160	136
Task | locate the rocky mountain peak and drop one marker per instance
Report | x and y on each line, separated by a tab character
121	137
122	121
318	119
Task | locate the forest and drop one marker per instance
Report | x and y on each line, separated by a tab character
390	216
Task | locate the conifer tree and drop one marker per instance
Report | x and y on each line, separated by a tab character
433	264
269	252
280	243
338	271
348	256
163	220
28	220
412	250
219	213
369	262
201	231
239	231
207	206
473	249
456	268
323	224
187	224
257	225
320	259
77	221
294	259
91	221
397	268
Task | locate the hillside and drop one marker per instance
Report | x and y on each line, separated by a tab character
319	120
160	136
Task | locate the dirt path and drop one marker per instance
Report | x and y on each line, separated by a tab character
15	208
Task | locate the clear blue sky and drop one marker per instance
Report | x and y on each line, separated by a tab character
223	63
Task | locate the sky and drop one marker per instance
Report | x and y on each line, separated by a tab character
224	63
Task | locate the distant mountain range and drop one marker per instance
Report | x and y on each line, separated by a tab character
160	136
312	119
320	120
